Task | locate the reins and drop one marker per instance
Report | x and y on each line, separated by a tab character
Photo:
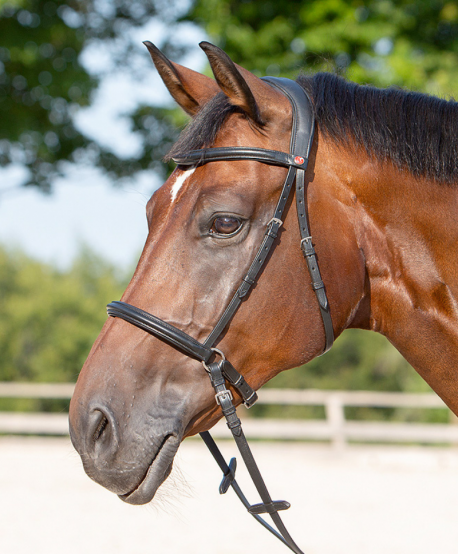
222	370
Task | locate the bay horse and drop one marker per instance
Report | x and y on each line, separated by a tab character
382	204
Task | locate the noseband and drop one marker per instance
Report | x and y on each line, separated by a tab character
222	370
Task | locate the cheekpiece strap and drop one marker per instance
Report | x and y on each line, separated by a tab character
301	141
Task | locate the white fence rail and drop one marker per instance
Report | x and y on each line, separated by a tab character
335	427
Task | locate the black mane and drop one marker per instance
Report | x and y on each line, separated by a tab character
412	130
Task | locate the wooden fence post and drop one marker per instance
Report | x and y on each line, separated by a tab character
335	416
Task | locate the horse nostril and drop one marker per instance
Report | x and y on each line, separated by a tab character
94	431
101	426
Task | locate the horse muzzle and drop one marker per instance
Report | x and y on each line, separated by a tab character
130	454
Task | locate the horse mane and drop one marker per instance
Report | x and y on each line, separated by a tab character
414	131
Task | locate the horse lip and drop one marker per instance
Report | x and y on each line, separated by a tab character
157	472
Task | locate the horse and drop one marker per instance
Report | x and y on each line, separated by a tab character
381	202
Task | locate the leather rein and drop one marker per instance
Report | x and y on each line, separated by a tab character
222	370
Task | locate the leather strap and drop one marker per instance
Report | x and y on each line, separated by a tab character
224	399
182	341
250	278
272	157
301	141
160	329
229	479
237	380
297	160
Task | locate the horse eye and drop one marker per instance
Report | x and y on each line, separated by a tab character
225	225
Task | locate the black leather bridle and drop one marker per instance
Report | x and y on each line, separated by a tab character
220	371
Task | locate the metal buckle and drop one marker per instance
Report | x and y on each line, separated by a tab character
222	393
307	247
275	220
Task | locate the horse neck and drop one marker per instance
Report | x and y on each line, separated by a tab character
405	227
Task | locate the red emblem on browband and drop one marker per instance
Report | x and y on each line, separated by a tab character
299	160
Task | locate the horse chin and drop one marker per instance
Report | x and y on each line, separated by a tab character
156	474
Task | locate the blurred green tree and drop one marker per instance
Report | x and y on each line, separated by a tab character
382	42
43	84
49	319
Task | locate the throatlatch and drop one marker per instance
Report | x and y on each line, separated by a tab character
222	370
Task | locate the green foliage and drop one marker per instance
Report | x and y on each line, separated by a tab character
43	83
40	80
359	360
49	319
383	42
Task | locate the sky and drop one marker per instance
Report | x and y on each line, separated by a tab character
86	208
89	211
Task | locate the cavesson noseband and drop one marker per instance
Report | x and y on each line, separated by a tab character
220	371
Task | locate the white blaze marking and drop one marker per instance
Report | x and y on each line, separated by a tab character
180	182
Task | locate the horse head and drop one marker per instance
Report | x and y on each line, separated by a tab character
137	397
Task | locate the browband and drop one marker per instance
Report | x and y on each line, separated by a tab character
272	157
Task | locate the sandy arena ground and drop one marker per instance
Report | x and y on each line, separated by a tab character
365	500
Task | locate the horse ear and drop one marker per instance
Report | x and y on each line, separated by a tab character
242	87
190	89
